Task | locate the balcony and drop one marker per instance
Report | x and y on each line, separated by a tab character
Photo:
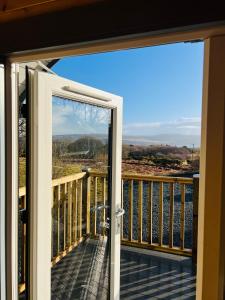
158	235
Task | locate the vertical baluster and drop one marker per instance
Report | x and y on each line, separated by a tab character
72	215
130	196
69	224
103	203
160	213
74	199
171	215
140	210
150	193
182	215
95	205
195	197
80	211
63	201
58	204
53	217
122	208
87	198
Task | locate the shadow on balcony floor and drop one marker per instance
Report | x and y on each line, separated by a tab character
82	273
145	275
153	275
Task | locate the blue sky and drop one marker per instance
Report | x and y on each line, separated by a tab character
161	86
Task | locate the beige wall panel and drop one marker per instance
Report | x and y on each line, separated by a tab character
211	233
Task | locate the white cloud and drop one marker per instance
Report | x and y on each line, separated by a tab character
71	117
188	127
185	126
142	125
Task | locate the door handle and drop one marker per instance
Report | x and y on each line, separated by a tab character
99	207
120	212
102	207
105	225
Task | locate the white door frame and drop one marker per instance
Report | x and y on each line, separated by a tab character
128	42
43	87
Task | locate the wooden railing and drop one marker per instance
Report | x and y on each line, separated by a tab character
160	192
67	219
67	212
150	202
144	225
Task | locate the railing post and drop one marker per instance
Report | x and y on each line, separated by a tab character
86	195
195	217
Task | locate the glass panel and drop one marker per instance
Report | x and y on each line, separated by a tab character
81	200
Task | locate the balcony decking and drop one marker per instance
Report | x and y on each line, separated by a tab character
82	273
145	274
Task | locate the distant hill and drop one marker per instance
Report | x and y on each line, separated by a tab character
73	137
165	139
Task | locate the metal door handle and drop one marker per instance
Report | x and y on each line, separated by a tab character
102	207
105	225
120	212
99	207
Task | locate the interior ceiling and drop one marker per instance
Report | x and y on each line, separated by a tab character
16	9
39	24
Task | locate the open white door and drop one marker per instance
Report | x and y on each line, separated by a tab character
74	232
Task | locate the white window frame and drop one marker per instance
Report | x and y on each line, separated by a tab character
44	86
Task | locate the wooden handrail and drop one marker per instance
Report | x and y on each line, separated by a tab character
67	179
165	179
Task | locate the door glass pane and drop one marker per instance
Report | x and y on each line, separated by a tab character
81	200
